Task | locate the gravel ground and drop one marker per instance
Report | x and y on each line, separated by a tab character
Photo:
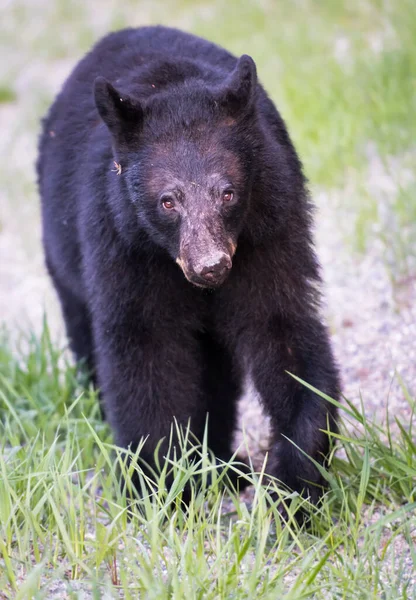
374	328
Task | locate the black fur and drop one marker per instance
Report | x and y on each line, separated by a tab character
162	147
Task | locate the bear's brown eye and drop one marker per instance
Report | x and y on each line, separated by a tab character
168	203
228	195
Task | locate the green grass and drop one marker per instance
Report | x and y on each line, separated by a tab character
7	94
65	524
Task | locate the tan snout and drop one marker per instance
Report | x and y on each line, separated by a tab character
207	271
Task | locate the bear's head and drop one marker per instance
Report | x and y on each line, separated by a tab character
186	155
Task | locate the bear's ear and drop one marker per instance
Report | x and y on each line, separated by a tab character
122	115
239	90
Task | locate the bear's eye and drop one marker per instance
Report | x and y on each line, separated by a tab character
228	195
168	202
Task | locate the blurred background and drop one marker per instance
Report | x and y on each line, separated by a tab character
343	75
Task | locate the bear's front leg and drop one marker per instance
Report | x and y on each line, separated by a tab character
269	315
150	378
299	417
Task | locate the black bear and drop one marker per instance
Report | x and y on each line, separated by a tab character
177	232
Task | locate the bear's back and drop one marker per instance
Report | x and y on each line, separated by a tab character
142	59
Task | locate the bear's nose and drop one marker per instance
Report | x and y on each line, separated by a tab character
216	273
